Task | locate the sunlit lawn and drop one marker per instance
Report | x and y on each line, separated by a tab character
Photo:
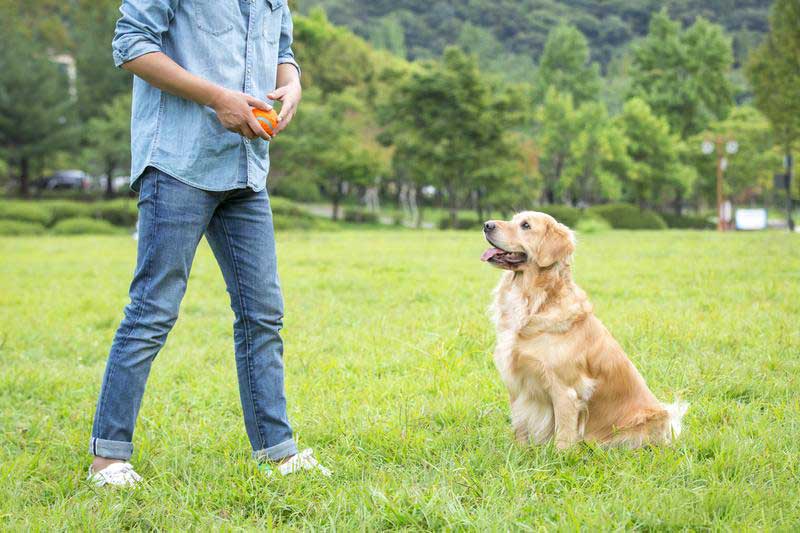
390	380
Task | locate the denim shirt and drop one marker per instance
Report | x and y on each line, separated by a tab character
237	44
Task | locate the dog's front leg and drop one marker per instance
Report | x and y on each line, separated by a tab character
567	408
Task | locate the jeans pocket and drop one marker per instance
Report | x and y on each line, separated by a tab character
213	17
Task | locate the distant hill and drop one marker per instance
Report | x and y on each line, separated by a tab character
518	28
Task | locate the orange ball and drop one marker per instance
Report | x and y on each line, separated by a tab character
267	119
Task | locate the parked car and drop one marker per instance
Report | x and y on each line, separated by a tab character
61	180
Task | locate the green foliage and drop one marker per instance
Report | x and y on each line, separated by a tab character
109	138
563	213
565	66
83	226
626	216
13	228
61	209
25	212
360	216
655	168
522	26
683	74
592	224
460	223
686	222
122	212
449	124
774	73
37	114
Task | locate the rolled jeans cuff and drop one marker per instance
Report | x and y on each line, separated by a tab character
277	452
111	449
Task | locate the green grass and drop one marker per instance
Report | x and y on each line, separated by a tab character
390	379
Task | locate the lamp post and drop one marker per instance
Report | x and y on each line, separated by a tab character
722	145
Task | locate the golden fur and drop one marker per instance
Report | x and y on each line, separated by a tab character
567	378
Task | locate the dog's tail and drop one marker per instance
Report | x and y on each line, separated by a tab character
676	411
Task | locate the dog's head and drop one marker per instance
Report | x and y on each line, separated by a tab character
529	239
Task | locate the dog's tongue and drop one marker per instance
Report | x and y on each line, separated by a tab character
491	252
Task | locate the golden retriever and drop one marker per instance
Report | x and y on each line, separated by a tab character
567	378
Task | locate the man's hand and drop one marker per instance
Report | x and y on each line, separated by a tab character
289	95
234	112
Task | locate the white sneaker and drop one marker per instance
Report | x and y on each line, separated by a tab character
118	474
301	461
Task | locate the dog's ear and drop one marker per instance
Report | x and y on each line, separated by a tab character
556	245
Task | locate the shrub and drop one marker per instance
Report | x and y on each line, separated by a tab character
686	222
563	213
122	212
287	223
461	223
592	224
84	225
63	209
626	216
360	216
16	227
23	211
282	206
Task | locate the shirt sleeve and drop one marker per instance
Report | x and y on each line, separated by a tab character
285	52
139	29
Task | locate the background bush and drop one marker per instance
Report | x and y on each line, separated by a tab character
122	212
687	222
626	216
15	227
592	224
563	213
25	212
461	223
84	226
360	216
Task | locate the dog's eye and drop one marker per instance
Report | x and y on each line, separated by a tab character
525	225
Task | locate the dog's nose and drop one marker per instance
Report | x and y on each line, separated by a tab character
489	226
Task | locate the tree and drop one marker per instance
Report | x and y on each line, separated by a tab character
598	157
36	111
655	168
98	80
683	74
108	139
565	65
558	126
452	120
774	73
750	171
323	147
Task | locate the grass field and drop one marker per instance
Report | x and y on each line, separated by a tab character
390	380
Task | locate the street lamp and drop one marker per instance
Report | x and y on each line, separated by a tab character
722	145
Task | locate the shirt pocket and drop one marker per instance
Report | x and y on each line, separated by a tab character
213	17
273	14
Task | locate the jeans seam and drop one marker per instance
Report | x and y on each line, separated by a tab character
248	354
139	306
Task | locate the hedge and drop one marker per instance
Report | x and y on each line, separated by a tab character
15	227
686	222
461	223
565	214
626	216
22	211
591	224
120	212
84	226
360	216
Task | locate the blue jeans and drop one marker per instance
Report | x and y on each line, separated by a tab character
173	216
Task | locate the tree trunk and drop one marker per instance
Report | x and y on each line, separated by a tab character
479	204
677	205
110	166
337	193
24	176
453	206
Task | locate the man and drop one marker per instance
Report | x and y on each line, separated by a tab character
200	161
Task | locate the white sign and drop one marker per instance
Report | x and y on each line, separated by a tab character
751	219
